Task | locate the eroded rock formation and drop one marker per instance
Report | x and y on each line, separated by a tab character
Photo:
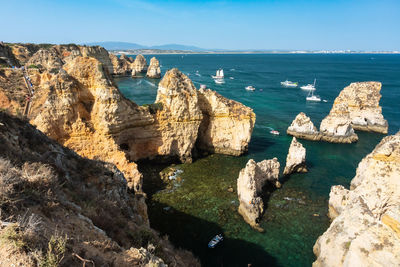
250	183
64	197
140	64
296	158
362	99
356	107
154	70
302	127
227	125
365	230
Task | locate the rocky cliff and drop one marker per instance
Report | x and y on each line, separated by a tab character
140	64
250	183
227	125
365	230
154	70
296	158
59	209
7	58
79	106
356	107
362	99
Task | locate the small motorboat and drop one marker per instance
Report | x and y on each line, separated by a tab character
325	100
289	84
216	239
250	88
310	87
274	132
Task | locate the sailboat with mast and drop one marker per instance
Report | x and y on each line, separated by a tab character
219	74
310	87
312	97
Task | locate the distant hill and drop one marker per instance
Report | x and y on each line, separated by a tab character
133	46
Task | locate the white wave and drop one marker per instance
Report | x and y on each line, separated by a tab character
150	83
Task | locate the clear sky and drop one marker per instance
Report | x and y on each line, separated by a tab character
269	24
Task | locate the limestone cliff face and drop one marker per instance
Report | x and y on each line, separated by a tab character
122	65
87	200
46	59
362	99
365	230
356	107
140	64
154	70
179	119
81	109
296	158
7	58
250	182
23	52
227	124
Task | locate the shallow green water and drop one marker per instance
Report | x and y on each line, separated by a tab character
200	206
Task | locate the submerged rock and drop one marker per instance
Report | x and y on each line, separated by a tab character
296	158
250	182
365	230
154	70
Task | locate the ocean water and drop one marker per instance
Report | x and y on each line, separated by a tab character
199	205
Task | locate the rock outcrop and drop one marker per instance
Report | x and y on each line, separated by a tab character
336	127
227	125
154	70
302	127
79	106
122	65
140	64
365	230
250	183
82	208
296	158
356	107
7	58
362	99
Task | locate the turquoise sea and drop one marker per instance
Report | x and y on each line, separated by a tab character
200	206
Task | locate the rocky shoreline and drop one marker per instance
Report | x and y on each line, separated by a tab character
356	108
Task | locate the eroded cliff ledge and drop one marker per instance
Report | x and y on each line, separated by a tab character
356	107
77	103
365	230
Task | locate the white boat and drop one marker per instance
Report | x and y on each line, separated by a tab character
312	97
274	132
216	239
310	87
250	88
219	74
289	84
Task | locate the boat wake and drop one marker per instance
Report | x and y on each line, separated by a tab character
150	83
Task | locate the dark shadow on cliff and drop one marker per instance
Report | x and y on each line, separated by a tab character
192	233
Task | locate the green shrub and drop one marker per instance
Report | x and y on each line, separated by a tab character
153	108
55	251
33	66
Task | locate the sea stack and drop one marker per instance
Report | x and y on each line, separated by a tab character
296	158
140	64
362	99
302	127
356	107
227	125
365	230
250	182
154	70
336	127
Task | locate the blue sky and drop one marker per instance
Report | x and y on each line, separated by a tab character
270	24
